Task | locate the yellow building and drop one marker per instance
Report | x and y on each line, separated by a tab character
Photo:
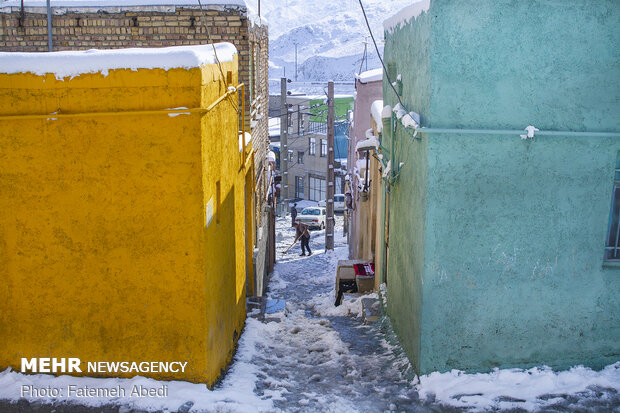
125	224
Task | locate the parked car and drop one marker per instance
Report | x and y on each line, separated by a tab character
338	203
313	217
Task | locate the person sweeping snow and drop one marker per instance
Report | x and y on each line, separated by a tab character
303	232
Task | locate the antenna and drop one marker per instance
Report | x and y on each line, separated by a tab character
364	56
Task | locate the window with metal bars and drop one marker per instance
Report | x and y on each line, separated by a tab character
612	248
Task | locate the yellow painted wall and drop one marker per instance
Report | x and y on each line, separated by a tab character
104	250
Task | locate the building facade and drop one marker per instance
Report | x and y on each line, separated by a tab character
307	148
122	221
116	25
502	245
307	152
363	217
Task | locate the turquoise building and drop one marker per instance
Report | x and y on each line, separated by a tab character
501	248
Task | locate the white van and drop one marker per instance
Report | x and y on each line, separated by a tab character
338	203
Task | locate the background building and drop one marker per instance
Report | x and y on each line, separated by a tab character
307	143
363	216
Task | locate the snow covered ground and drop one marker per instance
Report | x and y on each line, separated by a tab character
306	355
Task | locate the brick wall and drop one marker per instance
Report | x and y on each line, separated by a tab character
157	26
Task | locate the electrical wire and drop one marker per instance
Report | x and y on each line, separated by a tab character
379	54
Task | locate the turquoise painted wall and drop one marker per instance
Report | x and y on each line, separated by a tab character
407	198
496	243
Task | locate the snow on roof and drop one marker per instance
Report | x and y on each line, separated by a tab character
373	75
407	14
304	203
73	63
371	142
375	110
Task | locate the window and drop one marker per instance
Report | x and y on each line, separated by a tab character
323	148
300	157
612	247
290	155
312	148
317	189
299	187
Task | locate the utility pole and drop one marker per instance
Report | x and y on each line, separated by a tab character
329	231
284	141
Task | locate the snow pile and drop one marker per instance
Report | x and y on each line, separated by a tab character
351	304
516	388
406	15
276	282
375	111
73	63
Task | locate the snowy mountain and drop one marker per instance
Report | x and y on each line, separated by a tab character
329	36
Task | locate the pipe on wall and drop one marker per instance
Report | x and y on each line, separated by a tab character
518	132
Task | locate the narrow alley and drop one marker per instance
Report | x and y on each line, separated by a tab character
306	355
315	356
